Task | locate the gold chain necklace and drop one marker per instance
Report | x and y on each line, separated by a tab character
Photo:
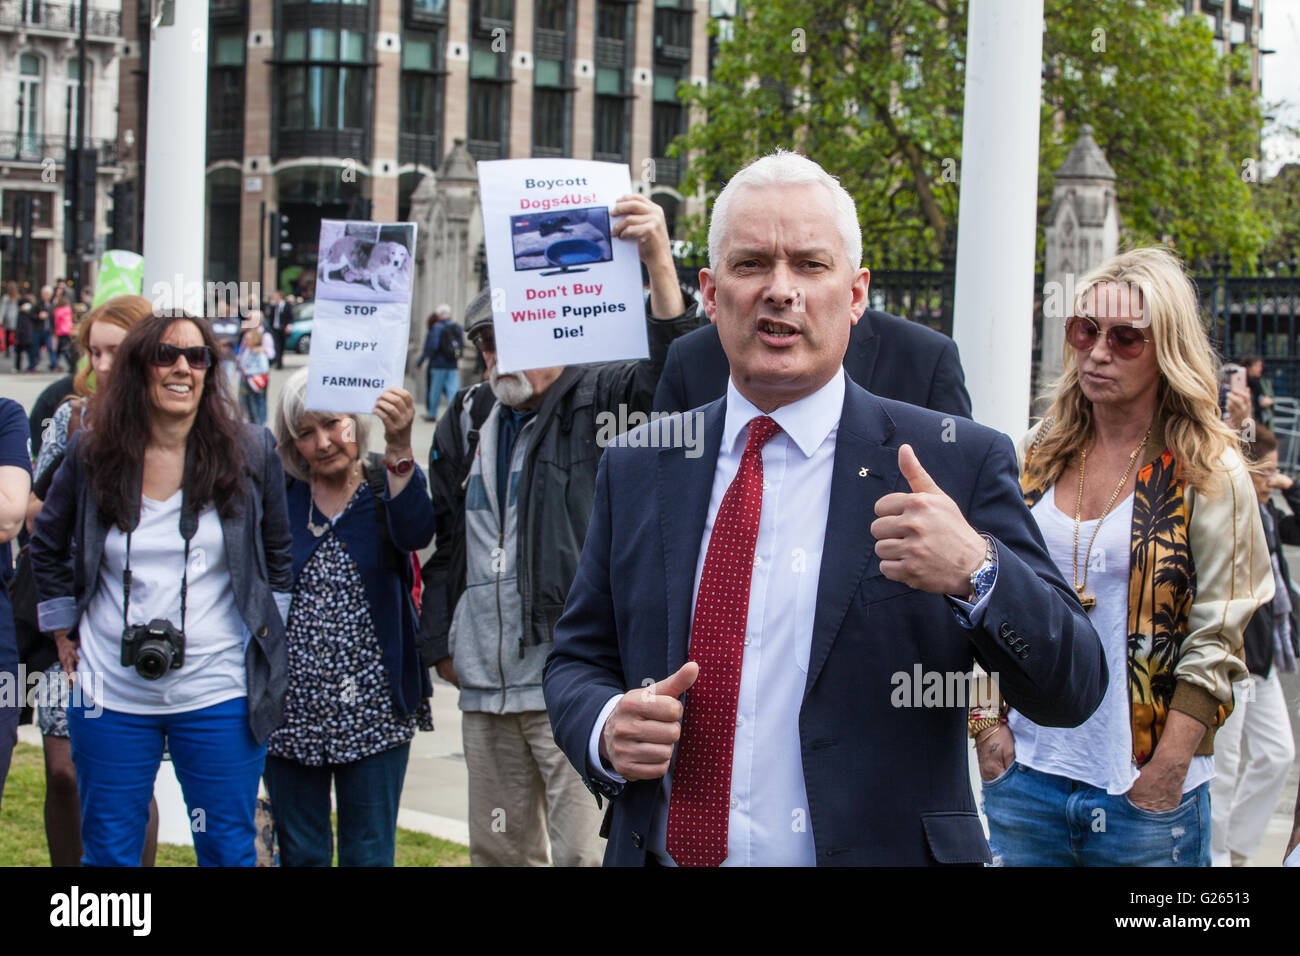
1088	601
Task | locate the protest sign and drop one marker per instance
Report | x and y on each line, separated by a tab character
362	318
564	291
120	273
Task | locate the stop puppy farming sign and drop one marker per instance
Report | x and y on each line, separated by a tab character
362	321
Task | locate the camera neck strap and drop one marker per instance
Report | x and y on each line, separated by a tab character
189	526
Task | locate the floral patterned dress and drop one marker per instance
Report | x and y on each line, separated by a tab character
339	707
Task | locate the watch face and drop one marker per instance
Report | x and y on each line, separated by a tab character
402	467
984	579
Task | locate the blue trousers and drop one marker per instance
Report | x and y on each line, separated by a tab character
1041	819
367	792
217	761
8	730
442	381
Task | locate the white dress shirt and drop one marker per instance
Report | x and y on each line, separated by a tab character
768	824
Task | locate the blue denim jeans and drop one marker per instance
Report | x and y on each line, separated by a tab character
442	381
367	791
1041	819
218	763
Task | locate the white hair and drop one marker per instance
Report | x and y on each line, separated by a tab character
783	168
289	413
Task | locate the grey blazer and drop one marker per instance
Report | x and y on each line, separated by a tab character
258	554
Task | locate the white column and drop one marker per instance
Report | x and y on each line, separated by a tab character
175	158
994	302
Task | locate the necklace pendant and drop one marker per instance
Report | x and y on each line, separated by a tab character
1087	600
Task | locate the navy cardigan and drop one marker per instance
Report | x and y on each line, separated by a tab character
410	527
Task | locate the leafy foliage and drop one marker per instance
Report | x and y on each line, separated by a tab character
874	92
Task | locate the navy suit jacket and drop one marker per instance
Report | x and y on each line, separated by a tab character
886	784
888	356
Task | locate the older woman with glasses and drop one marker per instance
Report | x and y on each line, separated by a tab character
1146	505
182	569
357	689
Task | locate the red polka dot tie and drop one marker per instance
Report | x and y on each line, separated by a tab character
699	806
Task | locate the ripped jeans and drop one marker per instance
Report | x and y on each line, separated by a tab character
1041	819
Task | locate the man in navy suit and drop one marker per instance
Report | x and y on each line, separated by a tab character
887	355
800	581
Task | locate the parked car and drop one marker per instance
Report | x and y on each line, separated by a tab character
298	338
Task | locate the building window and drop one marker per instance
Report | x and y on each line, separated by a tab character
74	96
429	8
489	74
672	34
42	206
666	124
226	96
551	70
30	116
323	80
614	45
422	97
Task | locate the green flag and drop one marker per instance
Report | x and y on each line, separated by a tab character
120	273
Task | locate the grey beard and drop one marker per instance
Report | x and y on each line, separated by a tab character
511	388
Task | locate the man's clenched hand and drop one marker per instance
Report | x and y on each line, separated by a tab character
922	539
638	737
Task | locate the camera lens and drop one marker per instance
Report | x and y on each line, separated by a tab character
153	660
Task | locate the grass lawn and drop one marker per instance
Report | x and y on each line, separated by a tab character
22	826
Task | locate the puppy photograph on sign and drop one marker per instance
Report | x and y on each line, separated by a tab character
361	325
564	290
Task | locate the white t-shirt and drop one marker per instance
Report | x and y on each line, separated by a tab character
1099	751
213	670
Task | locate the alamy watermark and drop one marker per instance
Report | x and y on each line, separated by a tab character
206	298
1107	299
923	688
40	689
662	430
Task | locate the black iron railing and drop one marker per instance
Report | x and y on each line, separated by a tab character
63	17
19	147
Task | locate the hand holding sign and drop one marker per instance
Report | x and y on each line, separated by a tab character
395	408
643	220
922	539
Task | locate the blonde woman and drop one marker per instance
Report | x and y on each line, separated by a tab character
1144	501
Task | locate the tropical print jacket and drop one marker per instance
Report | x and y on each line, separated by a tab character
1198	570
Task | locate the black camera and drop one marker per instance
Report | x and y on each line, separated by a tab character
153	648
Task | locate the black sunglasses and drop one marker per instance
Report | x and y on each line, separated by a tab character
1126	341
196	356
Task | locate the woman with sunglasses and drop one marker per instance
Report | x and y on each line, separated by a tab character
182	572
1143	499
97	336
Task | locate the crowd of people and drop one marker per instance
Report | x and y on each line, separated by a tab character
41	321
710	642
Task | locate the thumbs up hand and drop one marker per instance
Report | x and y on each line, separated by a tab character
639	734
922	539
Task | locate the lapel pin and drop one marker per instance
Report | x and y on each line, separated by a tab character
864	472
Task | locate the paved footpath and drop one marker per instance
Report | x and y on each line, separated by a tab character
434	798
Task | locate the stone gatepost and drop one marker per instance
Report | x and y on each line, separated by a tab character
1081	231
446	208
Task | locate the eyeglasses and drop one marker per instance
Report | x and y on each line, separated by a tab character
197	356
484	341
1124	341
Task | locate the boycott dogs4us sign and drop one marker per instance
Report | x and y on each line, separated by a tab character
564	291
362	321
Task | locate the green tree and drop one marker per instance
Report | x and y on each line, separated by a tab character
874	91
1177	121
1279	201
